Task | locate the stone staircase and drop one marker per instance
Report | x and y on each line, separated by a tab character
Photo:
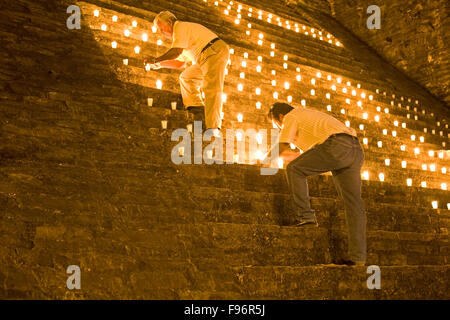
87	177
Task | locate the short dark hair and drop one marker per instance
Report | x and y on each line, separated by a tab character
279	108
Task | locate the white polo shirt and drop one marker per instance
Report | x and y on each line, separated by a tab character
191	37
306	127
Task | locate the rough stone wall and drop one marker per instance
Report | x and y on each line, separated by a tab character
412	37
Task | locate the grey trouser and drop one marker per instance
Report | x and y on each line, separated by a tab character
343	156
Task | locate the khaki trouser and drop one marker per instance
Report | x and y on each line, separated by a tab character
202	83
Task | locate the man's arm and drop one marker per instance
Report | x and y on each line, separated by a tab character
172	54
172	64
284	151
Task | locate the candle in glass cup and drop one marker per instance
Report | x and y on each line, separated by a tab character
125	62
150	102
174	105
164	124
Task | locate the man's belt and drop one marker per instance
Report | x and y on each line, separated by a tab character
209	44
343	134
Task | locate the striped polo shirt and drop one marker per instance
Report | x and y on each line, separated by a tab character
306	127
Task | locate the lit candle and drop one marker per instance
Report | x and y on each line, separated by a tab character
150	102
114	44
403	164
423	184
381	176
164	124
365	175
126	33
114	18
258	105
137	49
443	186
434	204
387	162
125	62
134	23
174	105
409	182
96	13
280	163
144	37
240	117
104	27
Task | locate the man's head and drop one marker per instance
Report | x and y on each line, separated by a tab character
164	21
277	113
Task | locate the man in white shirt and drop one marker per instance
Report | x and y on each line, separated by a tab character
328	145
202	83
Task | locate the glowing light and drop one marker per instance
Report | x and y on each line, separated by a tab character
365	116
387	162
409	182
242	75
365	141
289	99
404	164
286	85
259	58
377	118
421	139
104	27
224	97
380	144
258	105
125	62
114	18
434	204
137	49
147	66
275	95
381	176
384	131
280	163
274	82
365	175
261	36
240	87
333	87
114	44
299	77
164	124
159	84
361	127
154	29
423	184
285	65
258	68
328	107
313	92
416	151
443	186
347	123
246	55
149	102
96	13
285	57
424	167
240	117
432	167
134	23
126	33
244	64
258	91
144	37
313	81
403	147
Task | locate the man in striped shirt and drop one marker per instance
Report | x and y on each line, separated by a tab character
328	145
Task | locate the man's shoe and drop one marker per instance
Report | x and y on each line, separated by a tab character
350	263
303	222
